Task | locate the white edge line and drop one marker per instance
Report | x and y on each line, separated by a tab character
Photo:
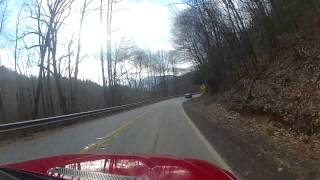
214	153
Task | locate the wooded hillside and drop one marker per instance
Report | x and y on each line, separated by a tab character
263	54
17	94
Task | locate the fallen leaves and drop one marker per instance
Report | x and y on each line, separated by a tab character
295	152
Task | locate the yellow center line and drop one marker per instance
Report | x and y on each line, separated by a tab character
110	136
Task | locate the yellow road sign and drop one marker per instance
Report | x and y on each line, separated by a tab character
203	88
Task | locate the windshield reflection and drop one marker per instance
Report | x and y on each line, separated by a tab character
123	167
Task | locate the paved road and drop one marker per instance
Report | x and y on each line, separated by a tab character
161	128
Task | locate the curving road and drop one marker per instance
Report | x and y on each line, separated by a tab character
160	128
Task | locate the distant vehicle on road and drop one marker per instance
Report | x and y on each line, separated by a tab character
188	95
109	167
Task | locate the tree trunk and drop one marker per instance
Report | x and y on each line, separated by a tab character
109	49
56	74
242	29
102	61
76	69
3	115
38	91
49	89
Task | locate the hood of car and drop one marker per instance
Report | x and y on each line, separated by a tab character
139	166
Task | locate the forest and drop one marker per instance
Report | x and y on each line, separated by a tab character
46	79
261	55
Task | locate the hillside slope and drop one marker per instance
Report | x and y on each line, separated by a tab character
288	89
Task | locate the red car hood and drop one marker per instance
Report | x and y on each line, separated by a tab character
140	166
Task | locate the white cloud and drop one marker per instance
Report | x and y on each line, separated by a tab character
147	22
6	58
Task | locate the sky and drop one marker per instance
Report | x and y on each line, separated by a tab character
148	23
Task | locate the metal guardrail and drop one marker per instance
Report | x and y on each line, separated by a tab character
20	126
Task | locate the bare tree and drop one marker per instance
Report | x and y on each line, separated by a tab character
102	57
49	17
3	115
3	13
43	43
109	42
17	39
58	11
84	11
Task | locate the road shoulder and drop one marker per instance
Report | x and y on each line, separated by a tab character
238	148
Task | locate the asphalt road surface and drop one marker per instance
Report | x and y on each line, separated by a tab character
160	128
